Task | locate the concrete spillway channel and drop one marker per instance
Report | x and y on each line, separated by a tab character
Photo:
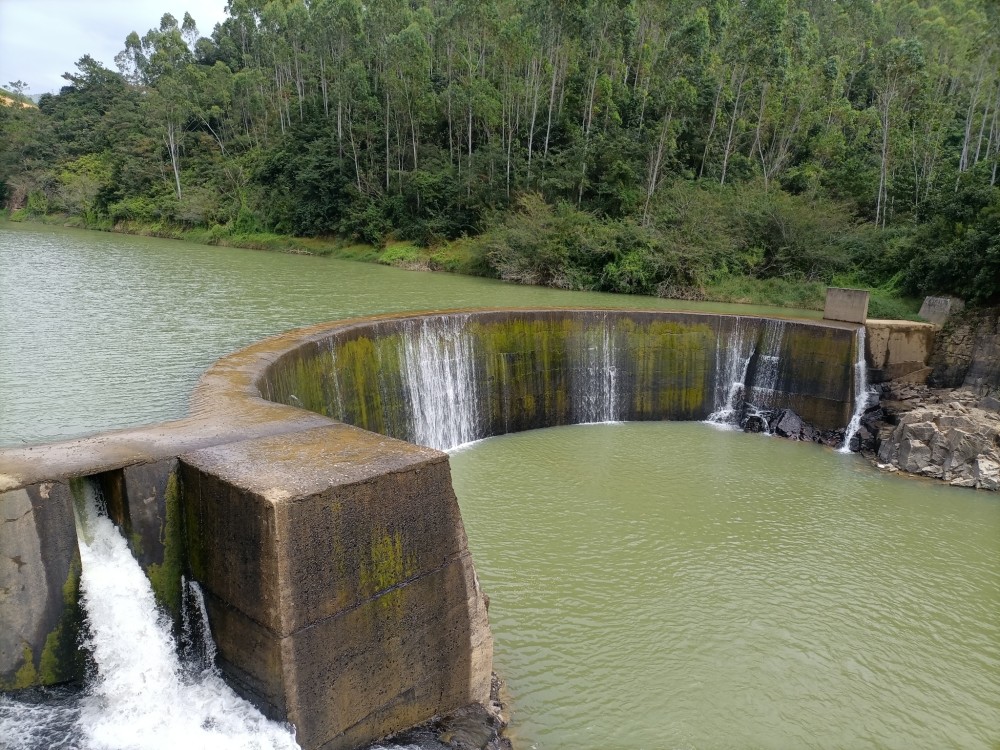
308	493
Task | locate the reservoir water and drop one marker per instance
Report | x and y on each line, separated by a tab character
653	585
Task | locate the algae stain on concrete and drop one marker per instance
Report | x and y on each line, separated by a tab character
387	566
165	577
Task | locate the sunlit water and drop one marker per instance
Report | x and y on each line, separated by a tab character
653	586
673	585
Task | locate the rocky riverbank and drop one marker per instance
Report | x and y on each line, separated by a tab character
947	434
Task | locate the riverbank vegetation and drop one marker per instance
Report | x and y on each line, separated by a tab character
731	149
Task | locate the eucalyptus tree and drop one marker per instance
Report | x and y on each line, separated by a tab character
158	61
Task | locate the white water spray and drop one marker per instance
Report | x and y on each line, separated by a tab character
143	697
736	387
861	394
730	379
598	399
439	367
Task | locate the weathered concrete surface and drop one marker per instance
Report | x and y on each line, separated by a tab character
340	588
39	587
938	310
848	305
530	365
898	349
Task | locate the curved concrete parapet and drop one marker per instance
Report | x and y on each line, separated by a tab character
340	589
446	379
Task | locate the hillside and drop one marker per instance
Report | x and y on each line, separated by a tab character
639	146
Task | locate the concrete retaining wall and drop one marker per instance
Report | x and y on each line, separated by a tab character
531	369
899	349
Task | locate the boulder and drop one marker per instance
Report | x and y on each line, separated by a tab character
986	472
914	456
789	425
922	431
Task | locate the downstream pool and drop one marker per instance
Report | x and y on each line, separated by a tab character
677	585
653	585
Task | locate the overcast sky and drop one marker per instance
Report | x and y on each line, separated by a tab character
42	39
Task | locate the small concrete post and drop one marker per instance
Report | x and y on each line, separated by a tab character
937	310
848	305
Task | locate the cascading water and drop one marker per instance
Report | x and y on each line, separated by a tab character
597	395
767	369
142	695
731	376
861	393
749	369
439	367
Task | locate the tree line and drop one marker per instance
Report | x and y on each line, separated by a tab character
630	145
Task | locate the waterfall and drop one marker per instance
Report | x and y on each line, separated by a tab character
749	366
142	695
733	361
439	369
767	368
597	396
861	394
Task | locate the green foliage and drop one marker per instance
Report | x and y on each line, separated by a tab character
635	147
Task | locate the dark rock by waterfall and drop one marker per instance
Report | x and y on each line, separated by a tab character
474	727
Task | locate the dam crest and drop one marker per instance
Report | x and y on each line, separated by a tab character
308	494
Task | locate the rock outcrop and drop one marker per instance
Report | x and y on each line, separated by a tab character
953	435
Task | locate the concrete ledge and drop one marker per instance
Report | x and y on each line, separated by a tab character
899	348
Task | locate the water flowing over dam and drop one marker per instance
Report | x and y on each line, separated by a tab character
438	380
157	693
446	380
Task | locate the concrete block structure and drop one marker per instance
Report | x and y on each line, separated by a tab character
937	310
848	305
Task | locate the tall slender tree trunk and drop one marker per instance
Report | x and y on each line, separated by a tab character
172	147
655	160
711	129
732	126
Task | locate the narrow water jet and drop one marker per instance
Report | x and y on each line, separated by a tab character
861	393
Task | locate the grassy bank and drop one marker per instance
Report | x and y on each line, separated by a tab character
469	256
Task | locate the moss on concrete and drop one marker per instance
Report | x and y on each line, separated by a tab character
165	578
60	659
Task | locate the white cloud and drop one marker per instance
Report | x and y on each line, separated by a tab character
42	39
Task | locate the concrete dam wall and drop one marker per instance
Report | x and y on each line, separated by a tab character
444	380
308	496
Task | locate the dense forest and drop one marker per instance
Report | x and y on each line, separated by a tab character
651	146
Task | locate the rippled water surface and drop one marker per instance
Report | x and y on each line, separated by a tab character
672	585
100	330
653	585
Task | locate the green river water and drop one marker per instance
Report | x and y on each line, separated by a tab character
658	585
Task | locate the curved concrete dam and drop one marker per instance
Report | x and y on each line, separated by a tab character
334	561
